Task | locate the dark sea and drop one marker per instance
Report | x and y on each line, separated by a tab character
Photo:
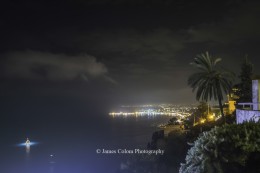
67	136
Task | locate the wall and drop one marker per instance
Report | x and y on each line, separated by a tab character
247	115
255	94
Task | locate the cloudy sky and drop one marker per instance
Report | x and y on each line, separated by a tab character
120	51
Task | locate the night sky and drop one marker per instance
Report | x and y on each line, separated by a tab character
115	52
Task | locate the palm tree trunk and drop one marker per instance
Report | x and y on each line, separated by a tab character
221	109
219	93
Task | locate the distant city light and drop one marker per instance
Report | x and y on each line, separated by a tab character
155	110
202	121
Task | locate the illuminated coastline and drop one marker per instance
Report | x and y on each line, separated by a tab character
154	110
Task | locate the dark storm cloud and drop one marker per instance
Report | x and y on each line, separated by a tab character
150	2
44	65
241	24
145	45
231	39
136	50
129	2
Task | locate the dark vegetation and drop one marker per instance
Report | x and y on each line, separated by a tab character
244	88
216	148
230	148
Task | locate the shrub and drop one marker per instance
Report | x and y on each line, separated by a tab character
229	148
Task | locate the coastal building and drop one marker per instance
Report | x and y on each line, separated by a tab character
230	105
250	111
232	98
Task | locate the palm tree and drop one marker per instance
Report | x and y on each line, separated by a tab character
210	81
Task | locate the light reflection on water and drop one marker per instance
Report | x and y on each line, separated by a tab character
57	154
52	163
27	146
24	144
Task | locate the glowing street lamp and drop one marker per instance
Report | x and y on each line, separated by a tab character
202	121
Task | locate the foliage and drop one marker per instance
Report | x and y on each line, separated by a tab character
210	81
200	113
231	118
245	86
188	123
225	149
202	110
173	120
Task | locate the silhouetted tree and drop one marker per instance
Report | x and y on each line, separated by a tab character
202	110
210	81
245	86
